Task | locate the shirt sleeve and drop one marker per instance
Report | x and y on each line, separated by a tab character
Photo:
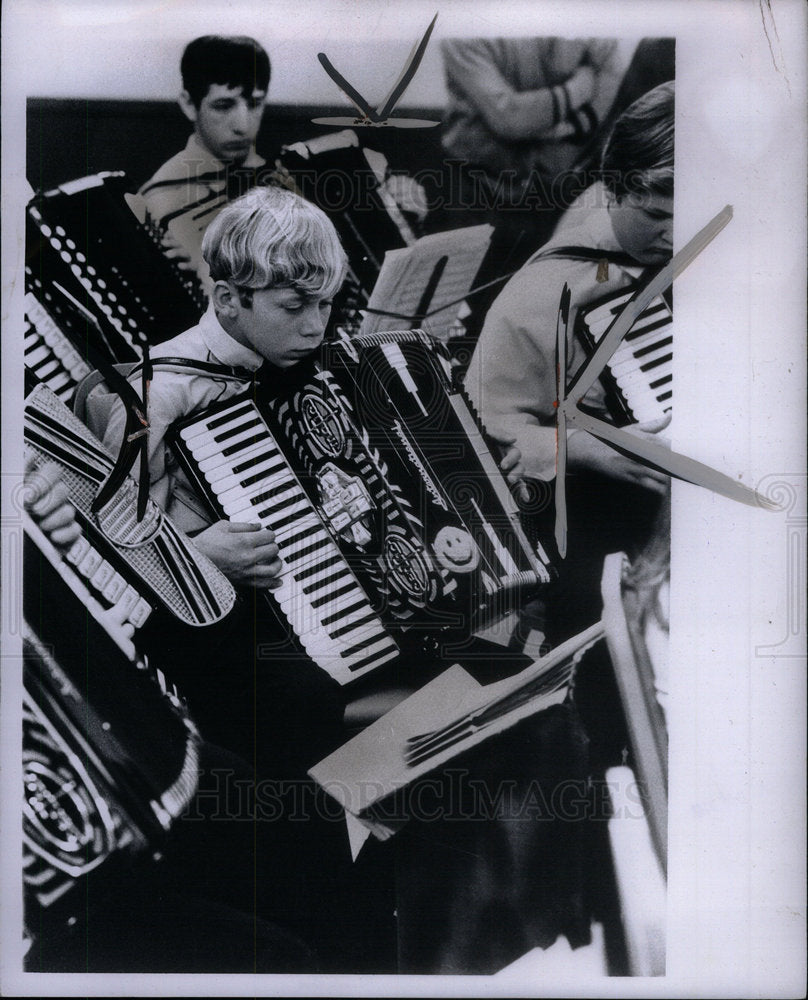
609	59
163	411
510	114
511	379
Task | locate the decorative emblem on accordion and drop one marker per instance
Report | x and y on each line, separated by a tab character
423	527
110	756
638	378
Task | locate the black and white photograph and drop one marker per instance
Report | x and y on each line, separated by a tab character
373	623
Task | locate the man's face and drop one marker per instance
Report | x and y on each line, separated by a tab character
643	225
282	325
227	120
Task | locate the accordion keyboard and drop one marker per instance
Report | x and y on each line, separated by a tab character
49	355
251	481
642	365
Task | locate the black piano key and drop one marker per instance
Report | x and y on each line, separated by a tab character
234	449
328	581
281	492
275	508
652	347
289	519
665	395
334	594
237	429
304	533
263	474
254	460
660	381
230	415
343	613
370	640
656	363
296	554
318	566
640	331
351	626
368	660
38	365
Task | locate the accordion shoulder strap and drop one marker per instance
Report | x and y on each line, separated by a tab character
98	378
585	253
197	367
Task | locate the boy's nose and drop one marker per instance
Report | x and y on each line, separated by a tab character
240	118
314	320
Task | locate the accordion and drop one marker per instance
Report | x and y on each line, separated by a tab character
98	285
335	173
110	754
340	177
394	523
638	377
133	566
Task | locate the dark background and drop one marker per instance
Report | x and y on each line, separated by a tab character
70	138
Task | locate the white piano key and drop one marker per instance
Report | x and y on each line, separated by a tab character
237	505
46	370
335	576
60	381
226	463
224	482
40	353
639	363
632	348
283	478
208	447
215	423
634	383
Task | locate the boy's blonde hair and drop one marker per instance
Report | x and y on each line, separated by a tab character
271	238
638	156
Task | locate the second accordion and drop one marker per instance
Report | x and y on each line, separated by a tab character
396	528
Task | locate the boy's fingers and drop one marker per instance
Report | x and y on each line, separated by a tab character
655	426
60	517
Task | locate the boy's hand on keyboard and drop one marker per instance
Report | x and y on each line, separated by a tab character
47	500
176	252
246	553
587	452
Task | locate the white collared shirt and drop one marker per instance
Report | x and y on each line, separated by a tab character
176	393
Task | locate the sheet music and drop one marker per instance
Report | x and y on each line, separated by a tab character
406	273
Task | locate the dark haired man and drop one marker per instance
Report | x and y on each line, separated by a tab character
225	82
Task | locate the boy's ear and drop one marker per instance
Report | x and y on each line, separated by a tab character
188	107
225	300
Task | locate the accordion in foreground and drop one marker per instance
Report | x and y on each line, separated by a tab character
395	525
110	755
638	378
98	286
159	564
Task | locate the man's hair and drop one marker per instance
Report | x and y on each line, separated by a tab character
638	155
272	238
233	62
